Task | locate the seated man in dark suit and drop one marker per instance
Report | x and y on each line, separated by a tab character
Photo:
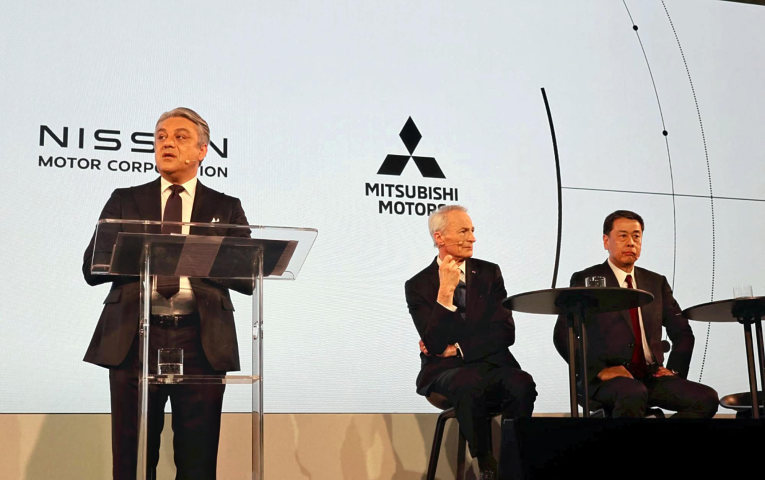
624	356
465	332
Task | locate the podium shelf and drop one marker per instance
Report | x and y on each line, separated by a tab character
202	379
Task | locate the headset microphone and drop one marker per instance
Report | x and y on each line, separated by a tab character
452	244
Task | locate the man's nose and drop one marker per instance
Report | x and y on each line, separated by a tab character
471	237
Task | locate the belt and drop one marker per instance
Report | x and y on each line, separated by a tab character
175	321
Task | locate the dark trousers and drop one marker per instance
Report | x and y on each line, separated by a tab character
476	389
629	398
196	410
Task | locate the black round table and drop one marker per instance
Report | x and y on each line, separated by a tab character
578	304
746	311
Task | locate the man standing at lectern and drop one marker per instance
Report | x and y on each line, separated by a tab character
193	314
465	332
624	355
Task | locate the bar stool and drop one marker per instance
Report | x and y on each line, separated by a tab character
597	410
441	402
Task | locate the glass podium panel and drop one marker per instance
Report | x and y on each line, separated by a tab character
198	268
285	248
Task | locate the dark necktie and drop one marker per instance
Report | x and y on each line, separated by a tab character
637	363
169	286
460	298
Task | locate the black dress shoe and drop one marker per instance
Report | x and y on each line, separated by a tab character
488	474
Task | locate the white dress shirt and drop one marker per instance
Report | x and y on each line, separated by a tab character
182	302
621	277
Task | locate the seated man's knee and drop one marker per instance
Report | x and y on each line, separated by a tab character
631	392
633	389
709	402
469	386
528	386
464	383
519	382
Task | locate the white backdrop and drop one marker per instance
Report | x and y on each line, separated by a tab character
311	97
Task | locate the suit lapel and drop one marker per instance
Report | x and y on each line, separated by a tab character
200	204
203	209
473	282
612	281
644	284
605	271
148	200
435	282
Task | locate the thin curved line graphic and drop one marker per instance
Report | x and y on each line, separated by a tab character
709	176
688	195
560	189
666	141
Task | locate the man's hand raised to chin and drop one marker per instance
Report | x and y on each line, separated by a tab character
449	277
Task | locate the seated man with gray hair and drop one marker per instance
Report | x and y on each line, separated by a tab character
465	332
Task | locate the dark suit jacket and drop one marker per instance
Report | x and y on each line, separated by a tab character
119	320
483	336
610	338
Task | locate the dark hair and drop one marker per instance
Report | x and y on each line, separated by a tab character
608	223
203	130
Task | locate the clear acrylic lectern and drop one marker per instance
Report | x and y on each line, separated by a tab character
212	255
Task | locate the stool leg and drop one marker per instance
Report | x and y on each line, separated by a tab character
436	448
752	371
760	353
461	447
491	435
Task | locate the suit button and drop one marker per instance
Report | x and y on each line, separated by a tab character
631	345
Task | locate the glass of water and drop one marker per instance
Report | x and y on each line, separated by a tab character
170	361
742	291
595	282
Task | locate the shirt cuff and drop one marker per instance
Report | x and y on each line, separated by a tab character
459	350
453	308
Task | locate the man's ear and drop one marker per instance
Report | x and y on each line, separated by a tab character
438	239
605	242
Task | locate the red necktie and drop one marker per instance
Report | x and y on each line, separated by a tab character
637	364
169	286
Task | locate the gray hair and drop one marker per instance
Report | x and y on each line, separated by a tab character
438	219
203	130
